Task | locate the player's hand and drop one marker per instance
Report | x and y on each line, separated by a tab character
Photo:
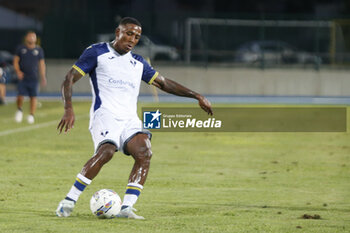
205	104
43	82
20	75
67	121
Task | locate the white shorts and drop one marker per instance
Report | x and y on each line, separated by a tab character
106	128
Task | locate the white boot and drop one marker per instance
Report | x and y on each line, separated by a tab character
19	116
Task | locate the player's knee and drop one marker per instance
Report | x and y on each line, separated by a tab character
106	156
105	153
140	148
143	154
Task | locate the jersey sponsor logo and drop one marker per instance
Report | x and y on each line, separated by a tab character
24	51
121	83
35	52
111	57
152	120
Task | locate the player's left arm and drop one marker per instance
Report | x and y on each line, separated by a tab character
42	72
175	88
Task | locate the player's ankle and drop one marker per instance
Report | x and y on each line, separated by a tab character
70	199
124	207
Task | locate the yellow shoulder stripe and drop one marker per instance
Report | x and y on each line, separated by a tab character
153	78
79	70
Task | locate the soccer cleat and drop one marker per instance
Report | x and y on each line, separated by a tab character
128	213
65	208
30	119
19	116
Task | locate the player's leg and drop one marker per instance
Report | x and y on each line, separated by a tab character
105	132
90	170
140	149
93	166
32	104
22	91
19	101
33	89
2	87
19	112
2	92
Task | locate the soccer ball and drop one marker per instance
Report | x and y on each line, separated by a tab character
105	203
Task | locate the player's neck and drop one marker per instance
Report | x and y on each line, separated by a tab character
113	44
30	45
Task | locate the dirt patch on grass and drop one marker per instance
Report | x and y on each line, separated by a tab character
309	216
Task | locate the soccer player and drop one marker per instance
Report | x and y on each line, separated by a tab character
115	76
27	62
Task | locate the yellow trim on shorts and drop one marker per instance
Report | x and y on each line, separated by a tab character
79	70
153	78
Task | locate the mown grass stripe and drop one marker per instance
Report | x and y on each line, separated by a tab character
35	126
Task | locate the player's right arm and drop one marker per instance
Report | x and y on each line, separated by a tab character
86	62
67	121
18	71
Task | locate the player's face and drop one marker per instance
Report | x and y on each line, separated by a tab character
30	38
127	36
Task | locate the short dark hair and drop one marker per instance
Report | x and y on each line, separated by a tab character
29	32
127	20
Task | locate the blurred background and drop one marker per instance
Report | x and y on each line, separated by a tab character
226	49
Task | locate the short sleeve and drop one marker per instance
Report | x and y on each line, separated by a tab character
18	51
148	73
87	61
41	53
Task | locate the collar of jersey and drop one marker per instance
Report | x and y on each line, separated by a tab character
111	48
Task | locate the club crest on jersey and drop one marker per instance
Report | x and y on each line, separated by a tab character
104	133
133	63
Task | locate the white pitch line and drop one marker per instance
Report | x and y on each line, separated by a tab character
32	127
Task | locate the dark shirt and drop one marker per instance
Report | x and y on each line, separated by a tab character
29	61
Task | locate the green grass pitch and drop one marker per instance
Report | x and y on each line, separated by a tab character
198	182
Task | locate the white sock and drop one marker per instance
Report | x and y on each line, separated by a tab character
78	187
133	190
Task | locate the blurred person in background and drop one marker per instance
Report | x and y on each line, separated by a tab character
29	64
2	86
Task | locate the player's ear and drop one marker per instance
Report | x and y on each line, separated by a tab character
117	32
